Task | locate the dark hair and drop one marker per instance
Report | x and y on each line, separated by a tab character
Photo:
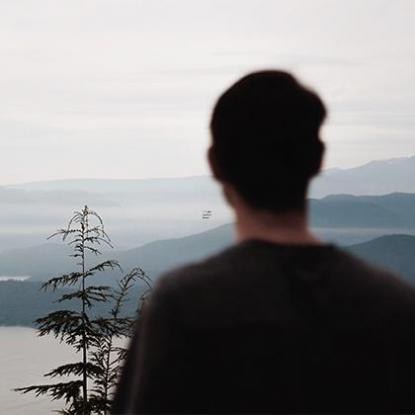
265	132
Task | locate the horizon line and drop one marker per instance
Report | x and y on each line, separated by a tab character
182	177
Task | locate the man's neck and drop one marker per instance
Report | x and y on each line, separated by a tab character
284	228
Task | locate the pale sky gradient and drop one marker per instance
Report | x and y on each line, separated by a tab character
123	89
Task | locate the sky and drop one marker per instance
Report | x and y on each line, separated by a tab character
123	89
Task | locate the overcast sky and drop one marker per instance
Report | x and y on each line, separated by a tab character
123	89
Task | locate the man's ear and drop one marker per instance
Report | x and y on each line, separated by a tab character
213	164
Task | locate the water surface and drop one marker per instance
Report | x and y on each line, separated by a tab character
24	357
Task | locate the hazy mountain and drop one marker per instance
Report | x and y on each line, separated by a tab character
45	261
40	262
374	178
159	256
392	211
157	186
140	211
22	301
345	219
134	211
48	260
395	252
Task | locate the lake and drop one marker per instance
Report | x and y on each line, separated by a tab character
24	357
14	278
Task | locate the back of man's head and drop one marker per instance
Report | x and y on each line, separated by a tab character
265	132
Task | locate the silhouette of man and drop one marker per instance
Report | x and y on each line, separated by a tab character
280	322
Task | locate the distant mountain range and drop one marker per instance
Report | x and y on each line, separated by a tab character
374	178
140	211
371	208
345	219
395	252
22	302
153	188
392	211
45	261
134	211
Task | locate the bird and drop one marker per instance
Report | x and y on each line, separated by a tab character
206	214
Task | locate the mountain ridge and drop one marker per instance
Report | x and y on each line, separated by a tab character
325	178
47	260
394	252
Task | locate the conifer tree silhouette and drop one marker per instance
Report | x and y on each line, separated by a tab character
91	337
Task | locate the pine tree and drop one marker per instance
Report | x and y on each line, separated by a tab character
110	357
84	232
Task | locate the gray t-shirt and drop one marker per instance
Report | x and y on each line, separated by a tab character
274	328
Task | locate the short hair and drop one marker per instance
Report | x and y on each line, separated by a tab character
265	139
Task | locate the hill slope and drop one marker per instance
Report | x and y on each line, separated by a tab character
22	301
391	211
48	260
43	262
140	211
374	178
395	252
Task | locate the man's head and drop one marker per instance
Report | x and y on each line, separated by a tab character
265	140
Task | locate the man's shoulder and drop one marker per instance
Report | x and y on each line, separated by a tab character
380	287
244	272
205	271
337	263
199	290
362	270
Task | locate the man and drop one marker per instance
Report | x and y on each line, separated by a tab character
280	322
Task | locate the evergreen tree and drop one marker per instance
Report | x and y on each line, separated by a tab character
84	233
109	356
